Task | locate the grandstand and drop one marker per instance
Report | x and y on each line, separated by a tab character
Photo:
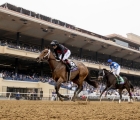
24	33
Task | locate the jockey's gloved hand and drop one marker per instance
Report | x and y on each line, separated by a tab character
111	71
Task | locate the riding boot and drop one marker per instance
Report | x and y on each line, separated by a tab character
68	71
68	67
68	75
68	64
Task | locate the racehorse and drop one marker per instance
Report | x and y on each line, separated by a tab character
59	73
111	83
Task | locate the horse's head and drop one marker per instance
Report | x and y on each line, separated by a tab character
102	73
45	54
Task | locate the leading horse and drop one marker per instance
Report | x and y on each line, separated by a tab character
59	73
111	83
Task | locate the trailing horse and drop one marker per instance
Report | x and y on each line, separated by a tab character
112	83
59	73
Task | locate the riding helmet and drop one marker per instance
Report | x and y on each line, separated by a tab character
54	42
109	60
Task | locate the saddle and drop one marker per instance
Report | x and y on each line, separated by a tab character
70	67
120	80
73	66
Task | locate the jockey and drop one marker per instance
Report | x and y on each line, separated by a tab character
115	68
62	51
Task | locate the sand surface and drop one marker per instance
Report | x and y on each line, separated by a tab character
68	110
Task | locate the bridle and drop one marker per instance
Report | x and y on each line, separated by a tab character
47	55
103	74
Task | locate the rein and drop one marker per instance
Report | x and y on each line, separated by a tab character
106	73
53	59
48	56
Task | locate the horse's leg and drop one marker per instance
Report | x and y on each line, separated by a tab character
73	98
108	90
102	93
57	87
79	90
120	93
79	82
130	95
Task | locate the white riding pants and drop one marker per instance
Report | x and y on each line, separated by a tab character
66	56
116	71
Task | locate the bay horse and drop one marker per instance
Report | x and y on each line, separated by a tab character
59	73
111	83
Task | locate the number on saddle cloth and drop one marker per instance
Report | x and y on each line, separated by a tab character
73	66
121	80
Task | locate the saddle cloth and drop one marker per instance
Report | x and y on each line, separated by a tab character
73	66
120	81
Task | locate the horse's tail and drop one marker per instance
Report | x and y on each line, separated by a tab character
91	82
130	84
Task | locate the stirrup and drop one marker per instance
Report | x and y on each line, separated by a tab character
70	68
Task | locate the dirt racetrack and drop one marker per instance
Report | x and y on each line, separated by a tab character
45	110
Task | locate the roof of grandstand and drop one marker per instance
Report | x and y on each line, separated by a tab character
123	38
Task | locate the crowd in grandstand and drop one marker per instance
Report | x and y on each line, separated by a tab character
132	47
11	44
9	75
101	63
37	50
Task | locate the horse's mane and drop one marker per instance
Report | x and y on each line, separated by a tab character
107	71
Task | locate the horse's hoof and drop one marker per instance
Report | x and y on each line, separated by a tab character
130	102
73	100
61	99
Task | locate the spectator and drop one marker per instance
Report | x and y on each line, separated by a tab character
69	86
